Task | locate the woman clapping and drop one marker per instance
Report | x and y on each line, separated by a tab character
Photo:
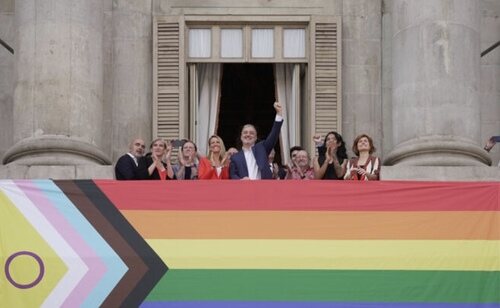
332	157
157	162
216	165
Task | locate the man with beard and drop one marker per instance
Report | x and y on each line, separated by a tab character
127	165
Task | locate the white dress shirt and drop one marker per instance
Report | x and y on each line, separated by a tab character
134	158
253	169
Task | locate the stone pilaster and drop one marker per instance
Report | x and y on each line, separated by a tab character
59	83
436	107
132	73
361	70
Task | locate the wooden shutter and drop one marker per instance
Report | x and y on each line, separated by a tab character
325	74
168	78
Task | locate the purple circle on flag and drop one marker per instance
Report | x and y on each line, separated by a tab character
25	253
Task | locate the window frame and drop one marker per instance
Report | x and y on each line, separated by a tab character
247	27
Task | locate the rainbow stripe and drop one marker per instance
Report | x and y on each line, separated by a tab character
318	244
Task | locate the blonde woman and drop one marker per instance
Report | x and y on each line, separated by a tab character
157	162
216	165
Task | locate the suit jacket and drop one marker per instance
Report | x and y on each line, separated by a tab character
238	168
125	169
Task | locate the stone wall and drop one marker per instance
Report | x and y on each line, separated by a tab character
130	83
247	7
366	72
7	34
361	71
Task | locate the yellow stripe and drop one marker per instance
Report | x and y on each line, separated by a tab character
472	255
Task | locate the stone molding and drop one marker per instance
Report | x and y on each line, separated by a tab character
438	150
440	173
54	150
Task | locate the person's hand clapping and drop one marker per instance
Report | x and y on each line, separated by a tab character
168	153
226	160
331	152
182	161
157	162
361	171
191	157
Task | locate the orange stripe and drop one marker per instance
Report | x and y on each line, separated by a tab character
447	225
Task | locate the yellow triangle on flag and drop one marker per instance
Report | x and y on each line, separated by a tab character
31	267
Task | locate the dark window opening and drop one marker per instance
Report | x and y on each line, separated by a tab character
247	97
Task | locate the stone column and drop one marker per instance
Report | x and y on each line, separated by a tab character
132	73
436	108
361	70
6	74
59	83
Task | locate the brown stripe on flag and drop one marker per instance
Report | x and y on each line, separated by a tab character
136	267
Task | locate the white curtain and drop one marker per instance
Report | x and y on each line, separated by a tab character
209	80
262	43
200	42
287	89
294	43
231	43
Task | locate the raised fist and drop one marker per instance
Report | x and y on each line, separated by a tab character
277	106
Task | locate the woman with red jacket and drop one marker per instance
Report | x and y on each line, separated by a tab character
216	165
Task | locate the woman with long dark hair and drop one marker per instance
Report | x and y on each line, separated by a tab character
330	164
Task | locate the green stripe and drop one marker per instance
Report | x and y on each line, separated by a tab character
317	285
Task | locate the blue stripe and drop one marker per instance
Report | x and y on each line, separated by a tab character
116	269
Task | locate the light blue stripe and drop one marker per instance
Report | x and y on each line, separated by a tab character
116	268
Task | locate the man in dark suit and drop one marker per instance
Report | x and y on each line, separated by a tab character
251	162
127	166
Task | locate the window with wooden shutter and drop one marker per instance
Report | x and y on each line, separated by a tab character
325	74
169	112
314	42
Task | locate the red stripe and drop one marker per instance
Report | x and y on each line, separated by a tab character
302	195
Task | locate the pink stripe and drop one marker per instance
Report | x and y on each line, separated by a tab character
89	257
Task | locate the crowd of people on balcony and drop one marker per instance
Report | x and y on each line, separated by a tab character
254	161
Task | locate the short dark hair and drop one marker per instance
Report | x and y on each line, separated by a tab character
355	144
189	141
295	148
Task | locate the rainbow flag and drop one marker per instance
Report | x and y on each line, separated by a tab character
318	243
63	244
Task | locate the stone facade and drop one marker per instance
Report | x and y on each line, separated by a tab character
79	86
7	34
